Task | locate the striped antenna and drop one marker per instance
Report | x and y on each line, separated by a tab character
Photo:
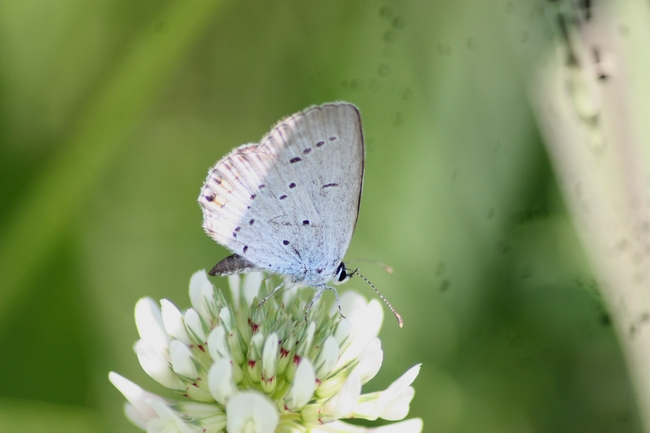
374	262
397	316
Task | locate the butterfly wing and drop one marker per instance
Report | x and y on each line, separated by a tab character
290	204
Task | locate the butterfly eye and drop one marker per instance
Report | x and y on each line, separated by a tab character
341	274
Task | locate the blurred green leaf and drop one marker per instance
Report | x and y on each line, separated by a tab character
95	141
33	416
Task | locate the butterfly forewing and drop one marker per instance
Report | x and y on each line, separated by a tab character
290	204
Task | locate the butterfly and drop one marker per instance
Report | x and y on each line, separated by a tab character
289	204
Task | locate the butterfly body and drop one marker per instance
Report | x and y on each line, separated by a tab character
289	204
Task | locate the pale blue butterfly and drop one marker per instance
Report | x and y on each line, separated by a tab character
289	204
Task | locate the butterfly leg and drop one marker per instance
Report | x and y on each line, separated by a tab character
270	294
319	292
338	303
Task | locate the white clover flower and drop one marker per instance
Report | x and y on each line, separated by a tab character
244	368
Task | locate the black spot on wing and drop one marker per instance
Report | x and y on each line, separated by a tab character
294	160
292	185
282	197
245	248
306	151
320	143
332	138
285	242
305	222
251	221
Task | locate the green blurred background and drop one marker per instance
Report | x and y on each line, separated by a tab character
112	111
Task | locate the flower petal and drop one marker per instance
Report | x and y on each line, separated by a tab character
211	417
217	344
399	406
401	384
156	366
270	362
148	320
370	361
138	411
343	334
254	358
251	412
251	286
234	284
365	318
173	321
391	404
168	421
413	425
303	386
181	359
220	381
134	416
195	326
201	293
345	400
327	358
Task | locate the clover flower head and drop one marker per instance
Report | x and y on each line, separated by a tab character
239	367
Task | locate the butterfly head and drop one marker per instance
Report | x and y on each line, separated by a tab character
342	274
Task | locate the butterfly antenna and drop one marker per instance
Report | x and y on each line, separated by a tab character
397	316
374	262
